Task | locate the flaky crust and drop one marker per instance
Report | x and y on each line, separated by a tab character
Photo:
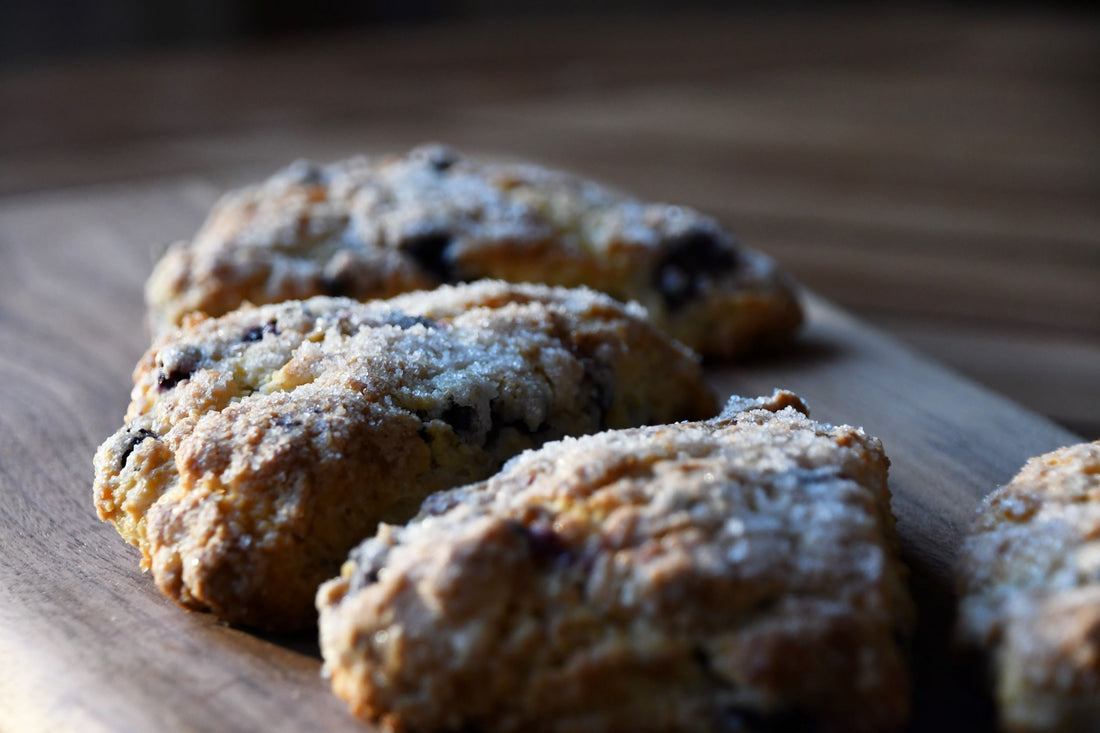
374	227
1029	587
735	574
259	447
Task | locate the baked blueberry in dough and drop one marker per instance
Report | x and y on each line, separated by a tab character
737	574
1029	588
260	446
375	227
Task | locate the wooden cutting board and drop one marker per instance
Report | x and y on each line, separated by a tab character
86	641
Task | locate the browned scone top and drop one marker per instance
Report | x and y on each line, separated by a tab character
738	574
1029	584
260	446
375	227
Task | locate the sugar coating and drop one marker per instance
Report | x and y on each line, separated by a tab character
375	227
1029	584
736	574
260	446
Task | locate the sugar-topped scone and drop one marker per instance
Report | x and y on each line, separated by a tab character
738	574
261	446
1029	588
375	227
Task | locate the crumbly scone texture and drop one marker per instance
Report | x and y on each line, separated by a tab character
738	574
375	227
261	446
1029	589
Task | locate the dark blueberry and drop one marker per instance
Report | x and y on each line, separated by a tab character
257	332
369	558
169	378
402	320
435	156
177	364
546	546
459	417
689	260
132	441
306	173
441	158
432	253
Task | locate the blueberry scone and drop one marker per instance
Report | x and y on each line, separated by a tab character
260	446
739	574
1029	584
375	227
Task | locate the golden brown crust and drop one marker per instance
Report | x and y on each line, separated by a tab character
1029	584
734	574
260	446
374	227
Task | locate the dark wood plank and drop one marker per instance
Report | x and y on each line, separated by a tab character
904	84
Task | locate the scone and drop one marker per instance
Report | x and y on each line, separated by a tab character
375	227
259	447
1029	588
739	574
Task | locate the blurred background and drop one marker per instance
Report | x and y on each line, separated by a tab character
934	168
34	32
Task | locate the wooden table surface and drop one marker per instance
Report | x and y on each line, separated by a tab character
934	176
